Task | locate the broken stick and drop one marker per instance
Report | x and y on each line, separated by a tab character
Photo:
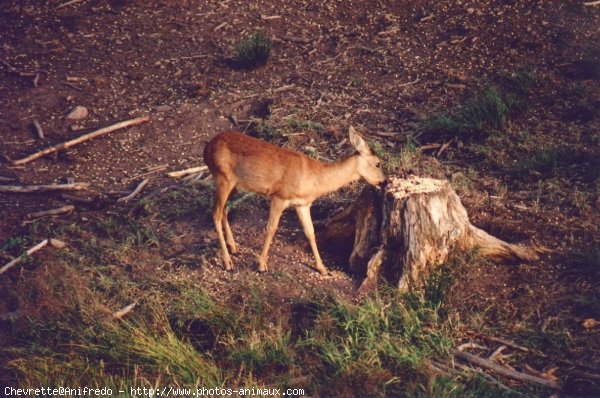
191	170
76	186
52	212
135	191
83	138
501	370
53	242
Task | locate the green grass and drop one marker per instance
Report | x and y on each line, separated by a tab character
301	124
185	333
487	110
253	51
543	161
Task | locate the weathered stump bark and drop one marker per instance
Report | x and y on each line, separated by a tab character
409	229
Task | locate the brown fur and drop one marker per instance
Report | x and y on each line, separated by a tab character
289	178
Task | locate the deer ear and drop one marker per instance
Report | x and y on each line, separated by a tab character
359	144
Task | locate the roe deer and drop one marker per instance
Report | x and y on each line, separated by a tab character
288	178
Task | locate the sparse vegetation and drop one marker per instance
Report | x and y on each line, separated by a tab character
488	109
300	124
517	116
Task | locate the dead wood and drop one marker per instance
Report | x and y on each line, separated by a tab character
53	242
592	3
503	371
528	350
410	229
76	186
191	170
52	212
83	138
135	192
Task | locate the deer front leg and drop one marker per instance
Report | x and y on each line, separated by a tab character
307	225
277	207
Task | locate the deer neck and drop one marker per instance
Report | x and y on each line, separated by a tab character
337	174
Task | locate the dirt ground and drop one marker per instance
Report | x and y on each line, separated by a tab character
380	66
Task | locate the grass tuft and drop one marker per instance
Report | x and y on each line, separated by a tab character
253	51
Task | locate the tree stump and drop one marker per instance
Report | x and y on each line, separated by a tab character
409	229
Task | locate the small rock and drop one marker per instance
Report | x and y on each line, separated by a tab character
590	323
470	10
77	113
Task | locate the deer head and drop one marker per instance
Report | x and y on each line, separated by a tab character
369	165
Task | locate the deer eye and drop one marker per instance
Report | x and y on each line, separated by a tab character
378	164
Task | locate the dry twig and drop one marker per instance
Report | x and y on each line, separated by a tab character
53	242
501	370
76	186
136	191
52	212
83	138
191	170
68	3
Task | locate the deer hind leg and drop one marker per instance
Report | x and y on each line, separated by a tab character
228	234
277	207
223	188
307	225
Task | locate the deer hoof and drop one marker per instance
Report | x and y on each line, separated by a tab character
262	266
233	249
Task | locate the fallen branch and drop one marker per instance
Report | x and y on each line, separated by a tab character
136	191
536	352
501	370
83	138
52	212
592	3
191	170
76	186
53	242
